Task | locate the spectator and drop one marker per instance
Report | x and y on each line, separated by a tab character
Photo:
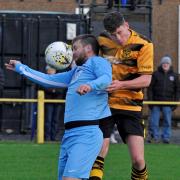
1	81
53	111
164	87
1	89
113	139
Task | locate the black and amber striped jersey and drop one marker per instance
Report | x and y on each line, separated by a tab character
128	62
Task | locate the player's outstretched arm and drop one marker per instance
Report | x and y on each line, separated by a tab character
49	81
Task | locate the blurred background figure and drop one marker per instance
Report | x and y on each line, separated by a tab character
1	81
1	91
164	87
54	112
114	138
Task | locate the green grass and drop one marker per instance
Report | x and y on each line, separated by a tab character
29	161
163	162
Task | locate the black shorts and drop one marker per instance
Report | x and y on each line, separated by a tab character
106	125
128	123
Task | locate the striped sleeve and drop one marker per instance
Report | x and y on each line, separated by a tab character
145	59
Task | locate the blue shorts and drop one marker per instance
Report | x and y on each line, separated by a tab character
79	149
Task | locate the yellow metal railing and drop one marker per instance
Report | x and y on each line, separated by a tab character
161	102
40	114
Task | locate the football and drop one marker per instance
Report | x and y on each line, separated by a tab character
58	55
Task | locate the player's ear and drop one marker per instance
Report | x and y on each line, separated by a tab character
126	24
88	48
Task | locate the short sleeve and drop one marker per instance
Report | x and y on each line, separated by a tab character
145	59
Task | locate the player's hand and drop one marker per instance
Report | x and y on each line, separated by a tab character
115	85
83	89
112	59
12	64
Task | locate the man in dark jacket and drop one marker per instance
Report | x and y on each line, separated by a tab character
1	90
53	111
1	81
164	87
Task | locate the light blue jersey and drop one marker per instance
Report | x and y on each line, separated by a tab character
96	72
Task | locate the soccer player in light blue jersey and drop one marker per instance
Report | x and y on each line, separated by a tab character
86	105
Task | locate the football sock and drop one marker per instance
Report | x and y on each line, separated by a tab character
139	174
97	169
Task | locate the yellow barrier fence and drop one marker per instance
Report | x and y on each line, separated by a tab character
40	114
40	104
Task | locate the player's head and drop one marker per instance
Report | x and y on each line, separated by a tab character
84	46
112	21
117	27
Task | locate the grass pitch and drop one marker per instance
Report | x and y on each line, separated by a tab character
29	161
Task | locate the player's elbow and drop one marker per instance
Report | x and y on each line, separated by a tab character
147	81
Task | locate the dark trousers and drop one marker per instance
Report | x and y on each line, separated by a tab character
52	116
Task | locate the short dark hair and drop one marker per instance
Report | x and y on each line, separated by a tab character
86	39
112	21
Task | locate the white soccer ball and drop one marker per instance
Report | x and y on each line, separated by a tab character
58	55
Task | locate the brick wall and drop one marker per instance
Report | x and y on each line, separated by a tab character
39	5
165	30
67	6
165	33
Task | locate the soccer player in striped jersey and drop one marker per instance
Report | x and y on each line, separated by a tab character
131	55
